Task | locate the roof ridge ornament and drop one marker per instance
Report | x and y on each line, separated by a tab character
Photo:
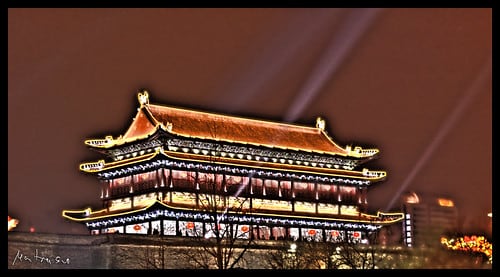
143	97
320	123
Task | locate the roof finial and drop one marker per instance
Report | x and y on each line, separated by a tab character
320	123
142	96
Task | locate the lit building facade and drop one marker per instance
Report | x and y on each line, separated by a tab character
175	170
427	218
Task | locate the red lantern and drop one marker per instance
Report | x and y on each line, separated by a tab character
190	225
244	228
137	227
356	234
312	232
335	233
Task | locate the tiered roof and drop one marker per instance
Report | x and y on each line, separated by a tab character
212	126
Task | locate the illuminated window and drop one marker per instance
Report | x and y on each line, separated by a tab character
233	180
156	226
145	176
169	228
334	235
294	233
412	199
238	203
328	208
445	202
257	186
242	231
190	228
326	191
271	187
286	189
312	234
118	229
234	184
304	190
119	181
139	228
220	230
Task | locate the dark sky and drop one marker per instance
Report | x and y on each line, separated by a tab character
414	83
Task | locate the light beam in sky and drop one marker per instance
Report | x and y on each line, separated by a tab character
467	97
277	53
343	41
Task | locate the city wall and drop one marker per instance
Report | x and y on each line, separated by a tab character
122	251
114	251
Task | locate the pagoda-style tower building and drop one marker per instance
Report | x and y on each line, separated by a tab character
175	170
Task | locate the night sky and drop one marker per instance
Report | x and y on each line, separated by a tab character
414	83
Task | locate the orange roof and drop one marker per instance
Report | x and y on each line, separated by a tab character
236	129
213	126
142	125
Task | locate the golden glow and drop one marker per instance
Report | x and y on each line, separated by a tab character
120	204
283	167
231	161
359	152
445	202
101	164
101	214
328	208
11	223
103	143
349	210
144	200
267	204
412	198
307	207
238	203
183	198
470	243
320	123
143	97
490	214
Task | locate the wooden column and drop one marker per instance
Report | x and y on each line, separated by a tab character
251	192
197	193
316	196
339	198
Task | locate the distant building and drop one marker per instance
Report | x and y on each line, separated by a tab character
272	180
426	217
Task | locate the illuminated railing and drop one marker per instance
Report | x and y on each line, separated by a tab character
92	166
360	152
369	152
369	173
99	142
